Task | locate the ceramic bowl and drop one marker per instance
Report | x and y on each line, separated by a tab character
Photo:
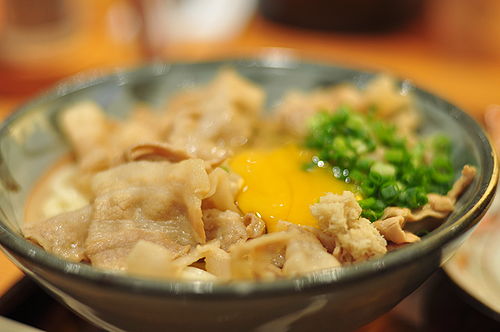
338	299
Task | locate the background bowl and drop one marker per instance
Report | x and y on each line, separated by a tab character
339	299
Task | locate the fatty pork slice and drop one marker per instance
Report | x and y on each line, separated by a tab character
149	259
155	151
305	253
355	238
260	258
465	179
140	127
161	151
211	120
384	93
391	224
189	174
109	242
392	230
177	209
217	261
63	235
153	260
224	186
99	141
287	253
187	179
225	226
87	129
293	113
155	201
255	226
439	206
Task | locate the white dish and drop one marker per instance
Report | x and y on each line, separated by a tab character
476	265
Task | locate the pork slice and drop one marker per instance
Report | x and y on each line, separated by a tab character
156	151
63	235
152	260
87	129
224	187
391	224
260	258
210	121
468	174
196	274
440	203
181	209
393	211
142	126
426	211
293	113
385	94
438	206
134	174
255	226
225	226
162	151
99	141
109	242
392	230
218	263
328	241
305	254
190	174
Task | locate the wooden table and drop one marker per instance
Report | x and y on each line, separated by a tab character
472	82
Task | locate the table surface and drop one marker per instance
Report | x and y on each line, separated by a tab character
472	82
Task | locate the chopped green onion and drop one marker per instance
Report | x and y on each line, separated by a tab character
367	203
389	192
369	153
364	164
368	188
371	215
395	156
380	172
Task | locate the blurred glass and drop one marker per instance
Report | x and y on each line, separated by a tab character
42	41
172	22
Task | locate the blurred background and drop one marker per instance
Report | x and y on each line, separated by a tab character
450	47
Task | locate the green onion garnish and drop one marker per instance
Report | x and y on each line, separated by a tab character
369	152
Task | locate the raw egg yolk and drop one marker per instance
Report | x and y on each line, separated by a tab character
277	187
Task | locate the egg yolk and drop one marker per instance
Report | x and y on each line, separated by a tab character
277	187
